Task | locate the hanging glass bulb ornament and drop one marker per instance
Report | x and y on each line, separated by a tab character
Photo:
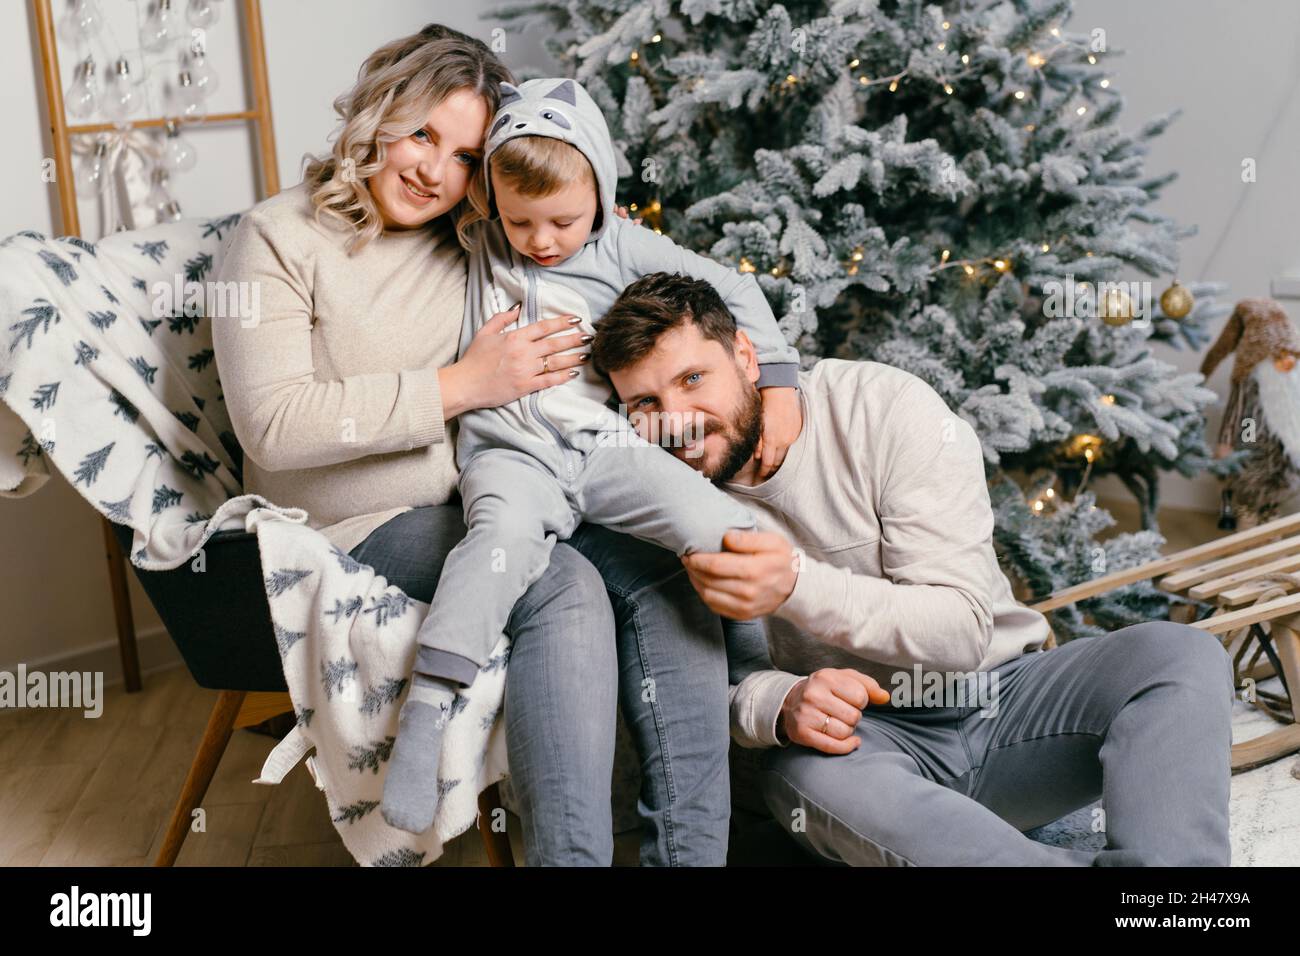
92	173
120	96
202	13
161	27
82	96
160	199
202	73
80	24
178	155
183	100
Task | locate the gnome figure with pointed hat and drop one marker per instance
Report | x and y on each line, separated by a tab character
1263	410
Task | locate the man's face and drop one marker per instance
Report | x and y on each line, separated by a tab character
697	400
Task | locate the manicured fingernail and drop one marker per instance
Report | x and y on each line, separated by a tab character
573	372
584	356
587	338
575	320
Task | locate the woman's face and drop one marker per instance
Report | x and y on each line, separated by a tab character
429	172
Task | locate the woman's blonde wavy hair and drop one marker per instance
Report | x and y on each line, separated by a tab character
396	88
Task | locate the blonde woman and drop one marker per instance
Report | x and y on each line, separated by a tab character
344	395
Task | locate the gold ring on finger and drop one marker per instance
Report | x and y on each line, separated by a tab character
826	723
546	364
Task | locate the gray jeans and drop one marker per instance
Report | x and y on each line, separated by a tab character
1140	718
612	615
518	503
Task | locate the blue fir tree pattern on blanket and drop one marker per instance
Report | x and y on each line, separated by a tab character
145	438
285	639
42	315
183	322
277	582
334	674
355	811
349	564
45	396
402	857
60	267
344	609
144	369
153	250
374	698
197	268
90	467
80	243
123	407
164	497
363	758
215	227
388	606
118	511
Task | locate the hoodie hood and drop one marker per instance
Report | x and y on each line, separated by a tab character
561	109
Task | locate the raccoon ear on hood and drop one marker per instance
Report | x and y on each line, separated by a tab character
509	93
533	108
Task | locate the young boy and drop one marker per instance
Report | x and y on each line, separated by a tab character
533	469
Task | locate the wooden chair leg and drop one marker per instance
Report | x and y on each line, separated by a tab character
497	844
221	724
121	609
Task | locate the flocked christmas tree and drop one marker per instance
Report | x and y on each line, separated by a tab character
944	188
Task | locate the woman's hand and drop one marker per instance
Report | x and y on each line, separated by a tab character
782	420
500	366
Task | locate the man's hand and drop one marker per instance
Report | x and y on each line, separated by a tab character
753	577
823	709
782	419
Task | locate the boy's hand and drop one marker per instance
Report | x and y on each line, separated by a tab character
782	420
622	211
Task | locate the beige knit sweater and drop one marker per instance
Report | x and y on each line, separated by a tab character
333	391
884	494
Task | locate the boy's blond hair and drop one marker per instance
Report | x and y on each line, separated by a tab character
538	166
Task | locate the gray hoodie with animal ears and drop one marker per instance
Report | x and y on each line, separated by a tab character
616	253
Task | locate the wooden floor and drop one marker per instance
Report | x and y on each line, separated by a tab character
98	792
79	792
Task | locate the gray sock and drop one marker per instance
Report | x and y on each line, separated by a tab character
411	786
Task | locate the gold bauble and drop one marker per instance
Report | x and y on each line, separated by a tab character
1115	307
1176	301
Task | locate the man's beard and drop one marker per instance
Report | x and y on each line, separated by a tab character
742	434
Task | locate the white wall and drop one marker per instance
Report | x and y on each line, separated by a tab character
1233	66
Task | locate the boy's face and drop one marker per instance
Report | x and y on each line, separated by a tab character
547	229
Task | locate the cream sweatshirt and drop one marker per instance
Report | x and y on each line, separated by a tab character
885	494
333	392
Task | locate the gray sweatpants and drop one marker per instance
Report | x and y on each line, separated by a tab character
519	503
1140	718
